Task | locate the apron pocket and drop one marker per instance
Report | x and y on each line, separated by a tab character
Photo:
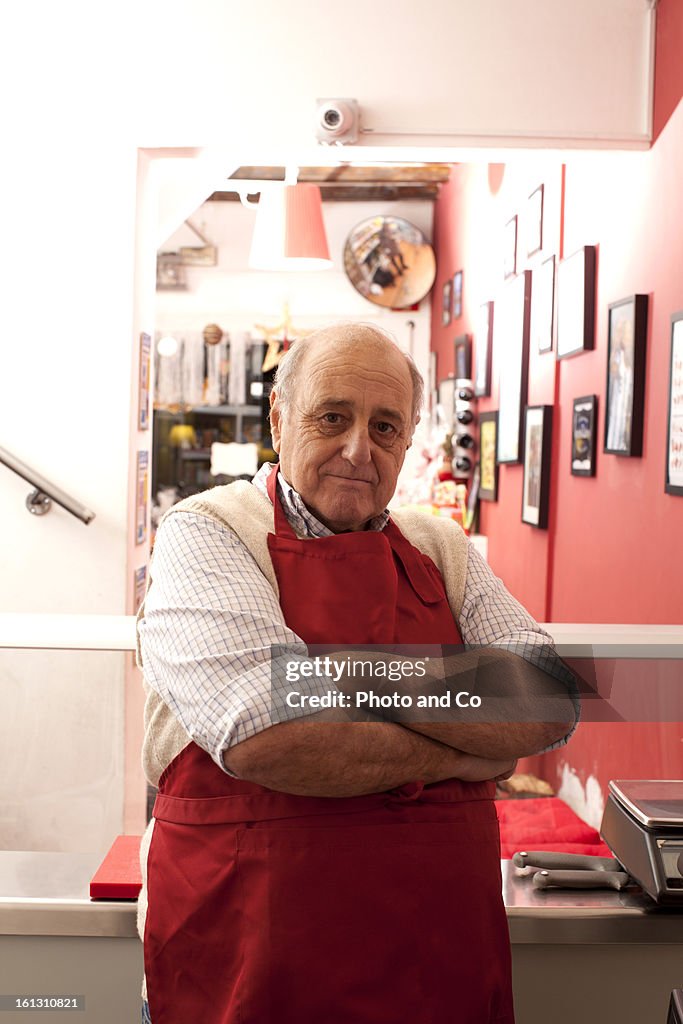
373	923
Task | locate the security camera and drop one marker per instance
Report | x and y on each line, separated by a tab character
336	121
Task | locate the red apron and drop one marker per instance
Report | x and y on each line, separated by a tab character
268	908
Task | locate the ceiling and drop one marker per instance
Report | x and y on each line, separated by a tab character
353	183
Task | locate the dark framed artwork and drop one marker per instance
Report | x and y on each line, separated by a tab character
512	348
144	381
576	303
510	248
534	232
543	306
488	443
625	390
446	303
463	357
538	423
457	295
674	434
584	418
483	350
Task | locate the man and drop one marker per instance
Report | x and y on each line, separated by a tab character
320	869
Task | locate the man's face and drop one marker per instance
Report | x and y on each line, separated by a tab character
346	430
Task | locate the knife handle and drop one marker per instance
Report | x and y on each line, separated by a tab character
581	879
564	861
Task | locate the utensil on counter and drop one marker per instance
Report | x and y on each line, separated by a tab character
572	870
643	826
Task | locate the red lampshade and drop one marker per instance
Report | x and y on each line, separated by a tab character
289	233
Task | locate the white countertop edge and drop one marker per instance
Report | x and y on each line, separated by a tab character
45	631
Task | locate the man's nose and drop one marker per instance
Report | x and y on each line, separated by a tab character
357	445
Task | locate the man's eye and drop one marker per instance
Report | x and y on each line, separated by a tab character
333	418
385	428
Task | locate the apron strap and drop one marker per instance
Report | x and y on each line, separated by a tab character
282	527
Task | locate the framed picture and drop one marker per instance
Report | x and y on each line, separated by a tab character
534	210
543	306
625	391
512	347
463	357
170	272
143	381
510	248
483	350
446	303
674	434
583	435
457	295
433	392
488	480
536	489
576	303
139	586
142	497
447	399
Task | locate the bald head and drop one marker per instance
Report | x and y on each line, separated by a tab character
296	363
343	409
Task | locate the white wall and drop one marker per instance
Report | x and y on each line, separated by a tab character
238	298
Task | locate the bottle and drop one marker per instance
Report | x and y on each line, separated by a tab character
464	441
464	416
465	395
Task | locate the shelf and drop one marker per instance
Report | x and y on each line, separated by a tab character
215	410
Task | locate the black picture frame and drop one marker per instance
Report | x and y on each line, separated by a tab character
510	248
534	232
543	306
457	294
625	387
538	423
584	425
483	351
673	479
576	303
446	302
463	357
488	462
512	348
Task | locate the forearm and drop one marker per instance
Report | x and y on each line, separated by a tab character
523	709
351	759
491	702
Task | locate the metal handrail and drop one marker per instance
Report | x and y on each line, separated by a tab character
40	500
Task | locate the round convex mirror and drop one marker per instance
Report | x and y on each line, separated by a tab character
389	261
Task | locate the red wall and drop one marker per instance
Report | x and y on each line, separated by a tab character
668	63
613	552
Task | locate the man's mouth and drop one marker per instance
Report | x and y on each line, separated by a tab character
351	479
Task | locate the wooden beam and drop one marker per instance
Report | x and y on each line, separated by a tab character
348	193
374	174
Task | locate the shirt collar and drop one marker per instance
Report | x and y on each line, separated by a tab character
300	518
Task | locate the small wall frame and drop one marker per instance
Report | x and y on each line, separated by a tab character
576	303
625	389
584	422
674	434
538	420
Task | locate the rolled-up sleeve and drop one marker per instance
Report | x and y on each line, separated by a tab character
209	621
491	616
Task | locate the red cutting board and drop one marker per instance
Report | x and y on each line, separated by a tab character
118	877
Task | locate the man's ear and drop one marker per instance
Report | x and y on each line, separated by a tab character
275	420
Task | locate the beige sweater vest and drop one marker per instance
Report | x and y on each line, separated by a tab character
249	514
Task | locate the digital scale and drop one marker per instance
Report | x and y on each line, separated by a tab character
643	826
